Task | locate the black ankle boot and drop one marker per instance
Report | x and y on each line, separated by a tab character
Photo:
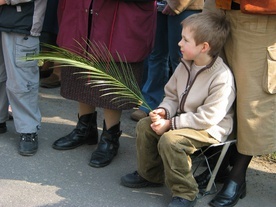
107	148
85	132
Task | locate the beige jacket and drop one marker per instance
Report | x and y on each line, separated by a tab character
203	104
179	6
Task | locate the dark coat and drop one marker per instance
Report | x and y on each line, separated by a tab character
124	27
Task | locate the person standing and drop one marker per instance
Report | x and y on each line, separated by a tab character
165	55
125	27
49	71
20	26
250	52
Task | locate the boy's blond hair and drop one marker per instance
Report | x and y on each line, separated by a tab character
209	27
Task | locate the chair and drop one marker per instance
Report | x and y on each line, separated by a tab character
211	187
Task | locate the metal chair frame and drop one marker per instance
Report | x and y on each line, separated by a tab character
211	184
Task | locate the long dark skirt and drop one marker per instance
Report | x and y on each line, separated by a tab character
75	88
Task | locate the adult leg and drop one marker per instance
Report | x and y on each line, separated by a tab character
86	130
3	95
246	51
158	70
109	144
4	115
235	187
238	172
22	87
22	81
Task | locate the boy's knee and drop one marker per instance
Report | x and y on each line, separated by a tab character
166	140
143	124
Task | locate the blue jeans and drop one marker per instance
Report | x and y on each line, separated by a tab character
165	54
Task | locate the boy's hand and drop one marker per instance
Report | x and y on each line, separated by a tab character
157	114
161	126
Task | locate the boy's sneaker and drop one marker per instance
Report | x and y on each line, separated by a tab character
3	128
28	144
134	180
181	202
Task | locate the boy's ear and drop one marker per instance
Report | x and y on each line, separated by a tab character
205	47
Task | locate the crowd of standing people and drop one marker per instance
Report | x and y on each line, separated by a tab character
191	109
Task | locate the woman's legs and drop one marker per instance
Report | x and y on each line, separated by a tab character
86	130
85	109
238	172
112	117
109	142
235	187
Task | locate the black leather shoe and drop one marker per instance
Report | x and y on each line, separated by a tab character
3	128
181	202
134	180
73	140
28	144
229	195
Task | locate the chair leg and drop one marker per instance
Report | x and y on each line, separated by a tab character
225	146
215	171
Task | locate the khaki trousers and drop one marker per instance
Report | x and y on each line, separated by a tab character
167	157
251	54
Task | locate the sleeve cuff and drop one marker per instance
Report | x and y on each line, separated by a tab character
168	116
172	123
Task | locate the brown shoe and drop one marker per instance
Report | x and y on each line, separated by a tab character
51	82
45	70
138	114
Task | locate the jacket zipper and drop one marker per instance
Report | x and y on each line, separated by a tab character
189	86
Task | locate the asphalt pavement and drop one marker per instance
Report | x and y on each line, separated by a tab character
63	178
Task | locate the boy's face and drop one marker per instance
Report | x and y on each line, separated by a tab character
188	47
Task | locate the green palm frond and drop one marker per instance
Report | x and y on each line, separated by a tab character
101	69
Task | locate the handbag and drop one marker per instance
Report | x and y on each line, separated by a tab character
258	6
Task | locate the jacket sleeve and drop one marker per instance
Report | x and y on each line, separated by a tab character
171	101
14	2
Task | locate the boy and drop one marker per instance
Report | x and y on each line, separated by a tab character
20	25
196	112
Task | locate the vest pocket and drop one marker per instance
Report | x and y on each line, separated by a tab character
269	77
